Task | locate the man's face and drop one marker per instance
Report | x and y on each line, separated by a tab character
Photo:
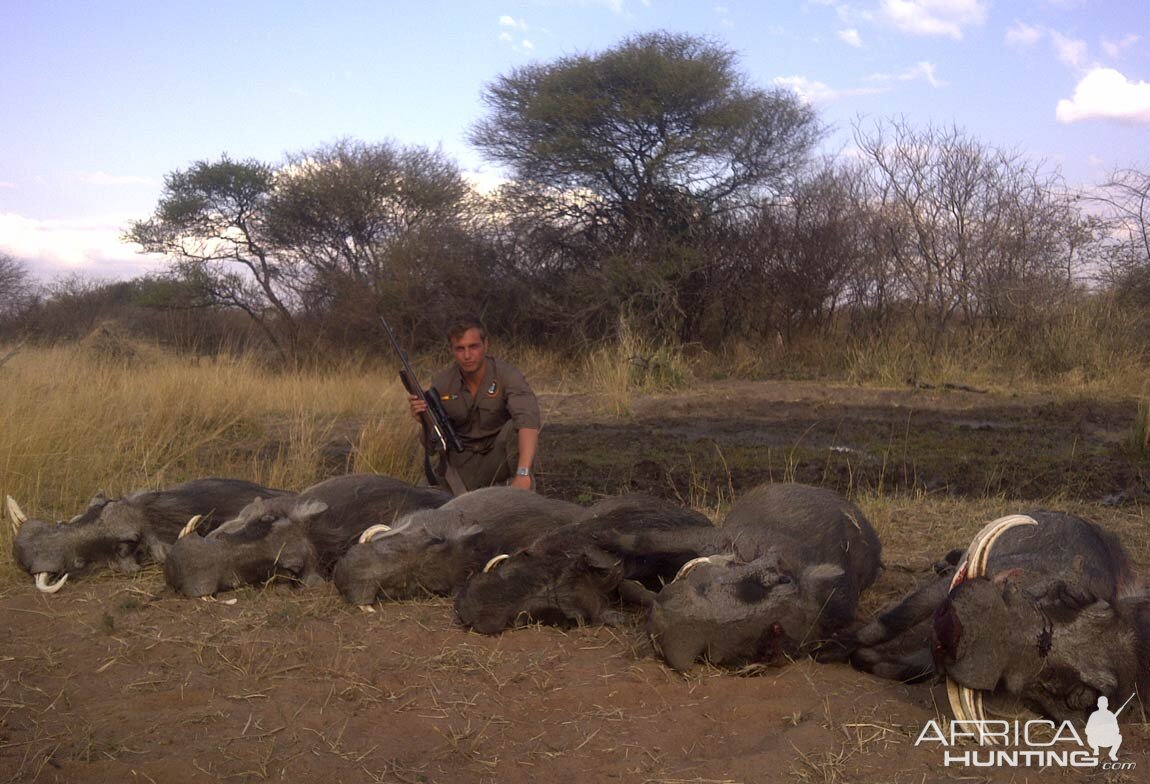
470	349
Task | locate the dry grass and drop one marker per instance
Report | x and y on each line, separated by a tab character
74	420
632	365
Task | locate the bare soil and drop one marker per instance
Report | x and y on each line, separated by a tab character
117	680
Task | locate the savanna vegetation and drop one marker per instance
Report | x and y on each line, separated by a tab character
664	222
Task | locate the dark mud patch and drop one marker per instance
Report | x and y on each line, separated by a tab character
720	439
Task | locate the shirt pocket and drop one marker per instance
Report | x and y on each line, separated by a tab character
456	408
492	413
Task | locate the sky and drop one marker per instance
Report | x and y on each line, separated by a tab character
100	99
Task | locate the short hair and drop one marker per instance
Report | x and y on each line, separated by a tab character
464	323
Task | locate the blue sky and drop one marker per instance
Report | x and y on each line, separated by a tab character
100	99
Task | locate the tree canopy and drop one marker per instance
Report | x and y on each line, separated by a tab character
659	126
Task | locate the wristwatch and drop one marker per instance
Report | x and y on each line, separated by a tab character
521	471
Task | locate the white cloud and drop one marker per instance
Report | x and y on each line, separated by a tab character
1022	34
812	91
1115	48
1070	51
506	37
1106	94
512	22
91	246
526	44
933	17
7	186
920	70
850	36
103	179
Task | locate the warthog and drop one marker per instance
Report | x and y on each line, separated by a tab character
123	533
790	577
572	575
299	538
1043	611
436	550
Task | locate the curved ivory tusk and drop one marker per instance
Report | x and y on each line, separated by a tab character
967	703
974	564
370	533
43	586
191	526
495	562
228	602
16	513
367	608
688	567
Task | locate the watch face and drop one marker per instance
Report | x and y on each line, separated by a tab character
522	472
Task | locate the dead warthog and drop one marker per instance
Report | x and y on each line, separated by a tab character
573	574
123	533
436	550
299	538
1043	612
783	579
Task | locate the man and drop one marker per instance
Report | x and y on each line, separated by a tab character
493	409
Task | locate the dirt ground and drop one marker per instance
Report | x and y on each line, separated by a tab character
117	680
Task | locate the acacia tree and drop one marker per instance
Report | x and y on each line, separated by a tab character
212	222
365	223
631	151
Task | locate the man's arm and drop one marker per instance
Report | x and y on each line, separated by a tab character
528	441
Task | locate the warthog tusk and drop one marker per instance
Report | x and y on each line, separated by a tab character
367	608
191	526
688	567
43	586
966	703
495	562
228	602
16	513
370	533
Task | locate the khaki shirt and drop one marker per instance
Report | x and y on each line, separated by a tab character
503	394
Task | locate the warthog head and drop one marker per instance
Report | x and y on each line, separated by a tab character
731	612
1053	643
110	534
268	539
121	534
436	550
556	589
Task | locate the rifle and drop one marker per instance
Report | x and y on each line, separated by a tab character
438	432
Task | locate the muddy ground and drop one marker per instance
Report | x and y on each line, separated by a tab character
117	680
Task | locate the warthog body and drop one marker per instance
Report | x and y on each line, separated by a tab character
572	575
125	533
436	550
299	538
1056	620
789	577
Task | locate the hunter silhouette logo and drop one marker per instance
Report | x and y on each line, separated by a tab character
1102	728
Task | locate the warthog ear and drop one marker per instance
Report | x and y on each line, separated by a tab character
99	499
601	560
824	582
464	533
306	510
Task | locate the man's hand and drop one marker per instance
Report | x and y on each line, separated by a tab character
522	482
418	405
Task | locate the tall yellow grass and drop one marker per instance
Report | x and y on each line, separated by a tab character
72	422
632	364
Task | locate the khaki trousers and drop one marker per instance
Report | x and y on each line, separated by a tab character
494	466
